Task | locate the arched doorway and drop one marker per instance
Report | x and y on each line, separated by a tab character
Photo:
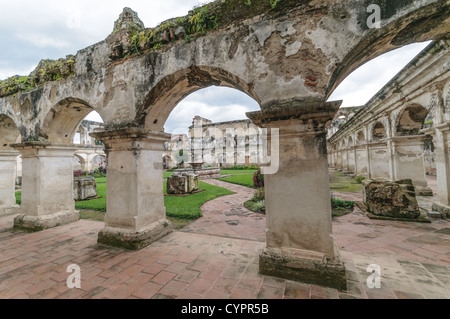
47	184
408	147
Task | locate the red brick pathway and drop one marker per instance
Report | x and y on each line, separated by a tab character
202	263
226	216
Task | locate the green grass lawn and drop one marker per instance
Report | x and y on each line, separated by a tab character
225	171
240	179
180	210
189	207
342	183
167	174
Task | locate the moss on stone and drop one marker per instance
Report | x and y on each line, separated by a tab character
201	20
46	71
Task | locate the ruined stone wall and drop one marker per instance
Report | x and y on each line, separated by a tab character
397	121
295	50
242	138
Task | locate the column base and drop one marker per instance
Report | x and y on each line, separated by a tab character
443	209
9	210
38	223
304	266
423	191
132	240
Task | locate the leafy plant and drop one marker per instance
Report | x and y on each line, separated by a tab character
273	3
360	179
259	206
259	195
339	203
258	179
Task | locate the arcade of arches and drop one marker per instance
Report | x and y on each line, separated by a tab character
289	59
392	136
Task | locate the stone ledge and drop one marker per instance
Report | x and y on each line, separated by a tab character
308	269
423	191
369	215
443	209
9	210
132	240
38	223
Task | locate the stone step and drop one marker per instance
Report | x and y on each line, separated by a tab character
434	215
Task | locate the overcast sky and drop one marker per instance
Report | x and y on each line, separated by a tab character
48	29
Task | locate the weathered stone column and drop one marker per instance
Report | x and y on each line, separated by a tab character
362	167
8	160
299	240
379	160
369	164
441	138
135	212
351	166
47	186
344	160
409	162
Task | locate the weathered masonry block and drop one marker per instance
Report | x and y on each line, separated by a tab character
84	188
182	184
391	199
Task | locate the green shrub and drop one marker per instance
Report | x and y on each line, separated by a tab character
259	206
258	179
339	203
259	195
360	179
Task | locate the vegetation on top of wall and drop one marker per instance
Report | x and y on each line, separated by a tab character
188	28
46	71
201	20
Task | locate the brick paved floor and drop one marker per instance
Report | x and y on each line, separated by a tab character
221	261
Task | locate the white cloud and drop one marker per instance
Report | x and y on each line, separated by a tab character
50	29
361	85
42	40
218	104
7	72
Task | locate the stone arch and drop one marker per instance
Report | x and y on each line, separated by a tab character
430	22
350	141
9	132
379	132
410	120
98	160
360	138
81	160
63	120
173	88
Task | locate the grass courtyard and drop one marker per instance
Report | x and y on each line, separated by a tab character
240	177
180	210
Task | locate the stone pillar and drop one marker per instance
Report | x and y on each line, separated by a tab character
47	186
409	162
344	160
362	167
299	240
135	213
8	161
379	161
351	167
369	164
441	138
390	149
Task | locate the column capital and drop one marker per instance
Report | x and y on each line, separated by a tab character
45	148
132	138
316	113
9	153
408	139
